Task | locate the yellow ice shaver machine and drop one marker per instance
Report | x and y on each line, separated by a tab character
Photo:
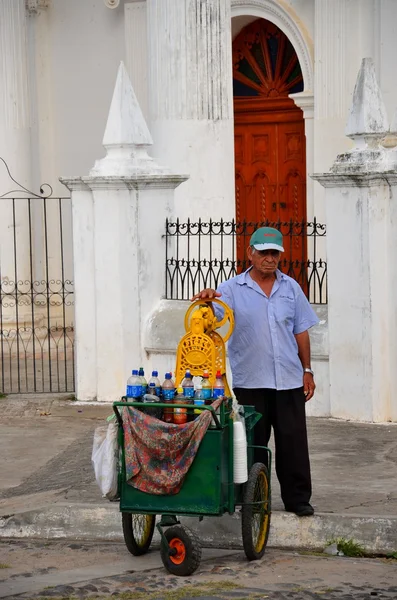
202	347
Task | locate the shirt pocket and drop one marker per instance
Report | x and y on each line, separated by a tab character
285	310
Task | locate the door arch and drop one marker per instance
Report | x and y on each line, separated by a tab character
270	154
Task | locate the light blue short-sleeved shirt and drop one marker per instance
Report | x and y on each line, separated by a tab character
263	352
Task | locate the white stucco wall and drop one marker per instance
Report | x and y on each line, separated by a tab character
86	44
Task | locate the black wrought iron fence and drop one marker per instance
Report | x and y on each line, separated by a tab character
36	295
203	254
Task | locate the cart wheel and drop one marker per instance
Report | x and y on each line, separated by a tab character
138	532
183	554
255	518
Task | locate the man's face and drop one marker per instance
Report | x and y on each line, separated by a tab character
265	261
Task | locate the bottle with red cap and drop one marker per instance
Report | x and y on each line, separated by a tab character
168	388
206	387
219	386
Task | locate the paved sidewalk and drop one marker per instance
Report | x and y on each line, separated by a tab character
65	570
47	488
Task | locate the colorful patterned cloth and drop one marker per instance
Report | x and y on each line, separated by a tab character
158	455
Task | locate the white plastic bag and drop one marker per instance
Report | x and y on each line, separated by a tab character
105	459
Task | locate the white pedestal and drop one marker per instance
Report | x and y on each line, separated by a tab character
362	287
118	228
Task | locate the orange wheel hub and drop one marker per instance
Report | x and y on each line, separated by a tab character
180	555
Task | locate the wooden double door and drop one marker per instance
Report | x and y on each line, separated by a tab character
270	153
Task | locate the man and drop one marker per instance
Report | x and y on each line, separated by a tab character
269	353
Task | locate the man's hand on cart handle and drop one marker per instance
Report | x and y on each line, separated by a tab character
207	294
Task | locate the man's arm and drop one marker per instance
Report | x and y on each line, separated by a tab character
206	294
303	341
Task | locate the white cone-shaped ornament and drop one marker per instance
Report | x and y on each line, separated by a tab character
127	137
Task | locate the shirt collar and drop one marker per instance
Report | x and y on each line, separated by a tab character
245	278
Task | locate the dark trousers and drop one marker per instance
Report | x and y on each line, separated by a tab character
284	410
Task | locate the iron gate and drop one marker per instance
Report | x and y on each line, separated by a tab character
203	254
36	293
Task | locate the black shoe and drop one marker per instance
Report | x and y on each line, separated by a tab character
304	509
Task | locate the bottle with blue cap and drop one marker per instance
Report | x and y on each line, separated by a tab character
188	385
134	386
188	393
154	381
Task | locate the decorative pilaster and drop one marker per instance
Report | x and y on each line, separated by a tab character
190	92
190	68
305	101
136	51
330	76
14	92
361	205
15	123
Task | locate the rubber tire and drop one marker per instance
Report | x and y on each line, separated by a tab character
134	546
258	470
192	548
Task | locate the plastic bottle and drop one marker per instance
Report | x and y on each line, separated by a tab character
168	397
150	400
155	379
152	390
188	385
134	386
206	387
198	400
188	392
143	380
219	388
180	414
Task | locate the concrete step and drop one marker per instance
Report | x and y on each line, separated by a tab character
376	534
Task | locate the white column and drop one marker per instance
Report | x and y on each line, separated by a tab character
190	91
14	93
361	204
305	101
119	214
41	100
15	140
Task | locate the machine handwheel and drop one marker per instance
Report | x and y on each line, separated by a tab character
255	513
227	316
182	556
138	532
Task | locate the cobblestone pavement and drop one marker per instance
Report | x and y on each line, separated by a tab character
278	576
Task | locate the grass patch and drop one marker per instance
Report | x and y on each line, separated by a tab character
3	395
392	556
71	398
349	547
4	566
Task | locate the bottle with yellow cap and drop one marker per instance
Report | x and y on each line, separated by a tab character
206	387
180	414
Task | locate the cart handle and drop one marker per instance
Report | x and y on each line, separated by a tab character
163	405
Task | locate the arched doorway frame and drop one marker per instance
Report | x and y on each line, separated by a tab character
273	10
